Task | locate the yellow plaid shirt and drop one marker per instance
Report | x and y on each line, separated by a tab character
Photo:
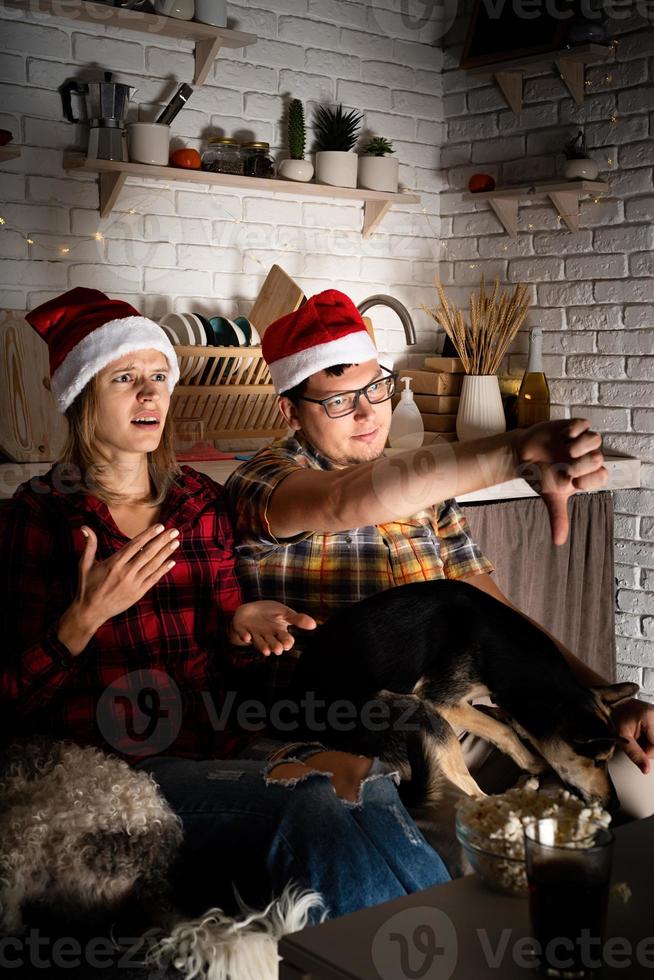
321	573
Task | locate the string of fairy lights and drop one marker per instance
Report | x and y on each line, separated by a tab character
64	250
98	236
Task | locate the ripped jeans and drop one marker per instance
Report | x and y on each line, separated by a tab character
246	831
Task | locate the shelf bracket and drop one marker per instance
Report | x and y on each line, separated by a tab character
373	214
111	184
573	74
506	209
510	83
205	53
567	204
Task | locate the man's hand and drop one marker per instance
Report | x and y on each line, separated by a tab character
265	625
635	721
557	459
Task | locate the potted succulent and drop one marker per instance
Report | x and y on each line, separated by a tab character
377	170
336	133
578	165
297	168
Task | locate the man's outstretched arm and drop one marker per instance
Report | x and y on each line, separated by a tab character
557	458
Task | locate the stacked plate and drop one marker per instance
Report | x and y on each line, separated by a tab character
189	329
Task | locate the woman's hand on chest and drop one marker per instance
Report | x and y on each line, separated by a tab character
107	588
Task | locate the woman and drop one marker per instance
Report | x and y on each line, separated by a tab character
120	602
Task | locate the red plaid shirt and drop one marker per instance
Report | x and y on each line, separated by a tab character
152	679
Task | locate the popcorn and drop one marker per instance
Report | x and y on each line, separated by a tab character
494	825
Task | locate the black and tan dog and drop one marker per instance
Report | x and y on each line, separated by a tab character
395	674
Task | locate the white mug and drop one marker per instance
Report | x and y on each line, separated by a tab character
182	9
212	12
149	143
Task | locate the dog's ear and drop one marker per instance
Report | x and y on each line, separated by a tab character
614	694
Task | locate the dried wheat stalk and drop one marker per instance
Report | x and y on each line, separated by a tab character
494	322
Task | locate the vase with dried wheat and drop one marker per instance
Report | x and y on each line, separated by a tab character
494	321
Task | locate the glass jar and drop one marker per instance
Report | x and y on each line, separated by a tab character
222	156
257	161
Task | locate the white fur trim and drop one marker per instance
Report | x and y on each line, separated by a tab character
104	345
218	947
353	348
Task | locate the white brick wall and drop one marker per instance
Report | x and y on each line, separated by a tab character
598	281
186	248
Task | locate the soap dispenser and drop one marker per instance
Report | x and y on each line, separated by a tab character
407	429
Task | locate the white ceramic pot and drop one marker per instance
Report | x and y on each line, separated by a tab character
378	173
295	170
182	9
212	12
336	167
149	143
481	412
580	169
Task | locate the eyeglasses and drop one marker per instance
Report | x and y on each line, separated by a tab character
346	402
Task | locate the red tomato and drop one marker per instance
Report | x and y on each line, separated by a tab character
188	159
481	182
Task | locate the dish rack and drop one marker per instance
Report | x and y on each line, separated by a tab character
232	392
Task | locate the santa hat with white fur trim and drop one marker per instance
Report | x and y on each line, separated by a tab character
326	331
85	331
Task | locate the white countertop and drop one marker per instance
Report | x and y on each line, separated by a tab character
624	473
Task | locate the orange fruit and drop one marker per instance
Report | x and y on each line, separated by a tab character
187	159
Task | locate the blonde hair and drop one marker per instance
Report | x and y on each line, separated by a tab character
81	451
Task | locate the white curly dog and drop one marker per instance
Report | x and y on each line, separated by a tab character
84	832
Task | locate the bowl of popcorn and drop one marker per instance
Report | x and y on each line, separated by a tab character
490	830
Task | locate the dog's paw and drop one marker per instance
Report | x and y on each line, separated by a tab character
528	782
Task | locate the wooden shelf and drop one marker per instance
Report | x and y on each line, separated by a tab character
564	195
114	173
208	40
9	152
571	63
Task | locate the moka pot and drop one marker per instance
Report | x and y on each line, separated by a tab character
107	103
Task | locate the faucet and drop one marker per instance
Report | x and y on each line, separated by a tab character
381	299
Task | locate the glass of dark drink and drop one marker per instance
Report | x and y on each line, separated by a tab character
569	872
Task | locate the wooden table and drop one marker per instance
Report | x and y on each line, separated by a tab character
469	932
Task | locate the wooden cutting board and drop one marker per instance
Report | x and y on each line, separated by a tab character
279	295
438	423
450	365
436	404
31	428
432	382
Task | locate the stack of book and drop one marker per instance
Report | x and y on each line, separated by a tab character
436	392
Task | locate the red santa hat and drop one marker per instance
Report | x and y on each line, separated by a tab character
85	331
326	331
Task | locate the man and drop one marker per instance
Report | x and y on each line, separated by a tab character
321	517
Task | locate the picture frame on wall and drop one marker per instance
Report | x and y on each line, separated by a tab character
500	30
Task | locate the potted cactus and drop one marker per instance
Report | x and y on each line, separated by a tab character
297	168
578	165
377	170
336	133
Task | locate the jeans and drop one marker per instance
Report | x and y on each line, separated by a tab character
248	832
